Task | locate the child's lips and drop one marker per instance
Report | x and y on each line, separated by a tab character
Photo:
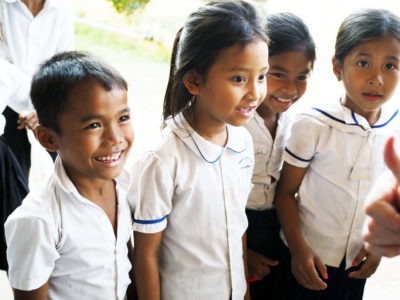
246	111
372	96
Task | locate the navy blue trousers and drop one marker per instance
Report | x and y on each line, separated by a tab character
263	237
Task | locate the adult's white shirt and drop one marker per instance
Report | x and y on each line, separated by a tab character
14	90
30	40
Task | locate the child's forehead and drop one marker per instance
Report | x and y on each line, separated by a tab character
91	93
92	86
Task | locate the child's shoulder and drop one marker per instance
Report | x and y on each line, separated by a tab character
41	202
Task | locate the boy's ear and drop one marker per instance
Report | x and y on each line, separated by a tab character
337	68
46	138
192	81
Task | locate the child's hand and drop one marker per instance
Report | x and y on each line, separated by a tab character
369	266
28	120
259	265
306	267
382	230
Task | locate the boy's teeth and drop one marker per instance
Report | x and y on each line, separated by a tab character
109	158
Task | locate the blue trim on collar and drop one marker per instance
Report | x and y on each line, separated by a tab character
388	121
353	114
149	221
330	116
297	157
202	155
233	150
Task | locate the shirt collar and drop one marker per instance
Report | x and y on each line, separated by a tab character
62	178
47	3
208	151
66	184
339	114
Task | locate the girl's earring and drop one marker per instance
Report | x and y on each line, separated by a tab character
192	100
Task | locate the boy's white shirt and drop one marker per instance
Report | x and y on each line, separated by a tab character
58	236
344	157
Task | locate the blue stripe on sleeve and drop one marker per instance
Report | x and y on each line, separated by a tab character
297	157
150	221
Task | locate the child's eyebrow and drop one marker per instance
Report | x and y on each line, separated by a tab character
277	68
244	69
98	116
392	57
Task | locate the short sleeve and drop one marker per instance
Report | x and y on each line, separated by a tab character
150	194
31	252
301	146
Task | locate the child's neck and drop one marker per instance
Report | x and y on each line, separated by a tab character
270	118
212	132
35	6
103	195
371	116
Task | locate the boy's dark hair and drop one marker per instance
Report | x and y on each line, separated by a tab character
58	76
365	25
288	32
209	30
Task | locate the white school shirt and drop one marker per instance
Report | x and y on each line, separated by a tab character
14	90
58	236
32	40
268	156
196	192
344	156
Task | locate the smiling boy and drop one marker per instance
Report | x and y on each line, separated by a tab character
69	238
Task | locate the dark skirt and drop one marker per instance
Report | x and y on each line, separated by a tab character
263	237
13	189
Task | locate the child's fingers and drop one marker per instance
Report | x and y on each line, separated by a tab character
360	256
321	268
270	262
368	267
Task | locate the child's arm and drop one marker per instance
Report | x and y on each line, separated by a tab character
38	294
131	293
246	272
382	230
305	263
145	264
259	265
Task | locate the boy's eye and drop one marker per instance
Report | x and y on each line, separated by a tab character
362	64
93	125
303	77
